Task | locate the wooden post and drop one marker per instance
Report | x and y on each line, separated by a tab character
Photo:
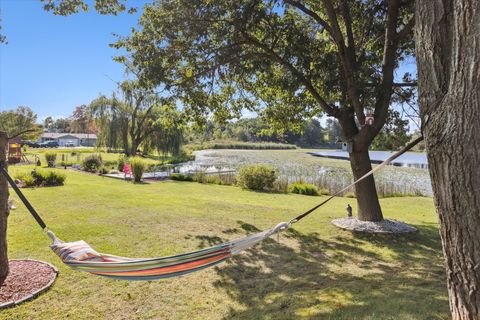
4	210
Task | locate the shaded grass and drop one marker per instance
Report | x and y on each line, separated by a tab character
314	271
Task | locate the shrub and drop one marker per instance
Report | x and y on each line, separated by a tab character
92	163
324	192
256	177
42	178
202	177
181	177
303	188
52	178
138	166
51	157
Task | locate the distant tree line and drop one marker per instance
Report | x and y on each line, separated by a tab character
310	133
257	129
80	121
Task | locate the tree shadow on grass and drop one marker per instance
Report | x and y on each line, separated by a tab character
304	276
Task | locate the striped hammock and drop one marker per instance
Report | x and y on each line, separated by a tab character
80	256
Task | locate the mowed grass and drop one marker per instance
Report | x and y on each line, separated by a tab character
79	154
312	271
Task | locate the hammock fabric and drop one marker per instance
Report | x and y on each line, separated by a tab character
80	256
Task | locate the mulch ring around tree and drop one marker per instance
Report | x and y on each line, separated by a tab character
387	226
26	280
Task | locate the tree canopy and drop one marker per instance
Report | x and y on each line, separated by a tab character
289	59
20	122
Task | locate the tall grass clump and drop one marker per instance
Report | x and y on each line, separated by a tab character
51	158
27	179
257	177
300	187
92	163
138	166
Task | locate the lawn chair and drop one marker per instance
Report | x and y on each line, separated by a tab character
127	172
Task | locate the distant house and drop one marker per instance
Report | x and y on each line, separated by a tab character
70	139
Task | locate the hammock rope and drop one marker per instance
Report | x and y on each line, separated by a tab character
82	257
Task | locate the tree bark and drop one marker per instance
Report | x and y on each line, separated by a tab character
133	148
448	59
4	210
367	199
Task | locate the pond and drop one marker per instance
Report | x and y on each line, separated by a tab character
408	159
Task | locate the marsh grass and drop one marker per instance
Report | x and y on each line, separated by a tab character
327	174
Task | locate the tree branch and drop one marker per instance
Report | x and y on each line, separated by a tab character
385	89
331	111
312	14
347	62
348	26
21	132
395	84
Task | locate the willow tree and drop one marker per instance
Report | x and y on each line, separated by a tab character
288	60
137	117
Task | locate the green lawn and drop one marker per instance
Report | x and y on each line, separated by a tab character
314	271
76	155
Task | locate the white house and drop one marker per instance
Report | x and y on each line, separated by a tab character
70	139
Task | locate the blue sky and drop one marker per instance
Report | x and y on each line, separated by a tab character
53	64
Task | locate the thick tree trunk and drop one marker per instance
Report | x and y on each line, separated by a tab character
4	210
365	191
448	60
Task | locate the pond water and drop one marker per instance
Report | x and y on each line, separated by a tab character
408	159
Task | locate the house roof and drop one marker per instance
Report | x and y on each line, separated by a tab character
55	135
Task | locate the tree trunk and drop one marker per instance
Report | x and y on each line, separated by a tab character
448	60
365	191
4	210
133	149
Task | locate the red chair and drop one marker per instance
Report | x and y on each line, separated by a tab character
127	171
